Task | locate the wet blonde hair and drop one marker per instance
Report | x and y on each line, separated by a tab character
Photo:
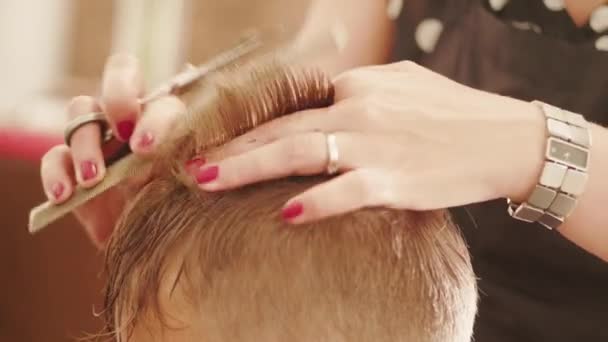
371	275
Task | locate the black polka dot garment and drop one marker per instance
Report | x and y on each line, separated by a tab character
548	17
534	284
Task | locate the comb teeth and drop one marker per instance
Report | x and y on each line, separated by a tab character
47	212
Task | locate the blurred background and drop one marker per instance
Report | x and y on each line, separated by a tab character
51	51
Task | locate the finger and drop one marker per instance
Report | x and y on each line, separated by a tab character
313	120
330	119
57	174
346	193
85	143
155	123
302	154
366	114
121	88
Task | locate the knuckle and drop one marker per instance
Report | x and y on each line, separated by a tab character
80	105
53	153
393	192
345	78
86	141
117	90
375	188
314	206
52	159
297	150
256	166
294	149
228	177
163	110
165	102
174	101
351	82
367	108
409	65
368	186
121	59
239	146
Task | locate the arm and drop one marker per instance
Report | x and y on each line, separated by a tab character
367	27
466	146
588	224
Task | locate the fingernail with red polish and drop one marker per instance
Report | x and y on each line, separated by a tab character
207	174
125	129
88	169
146	140
194	164
292	211
57	190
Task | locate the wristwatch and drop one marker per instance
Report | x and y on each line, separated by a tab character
564	174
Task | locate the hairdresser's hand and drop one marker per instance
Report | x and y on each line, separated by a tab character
64	167
407	137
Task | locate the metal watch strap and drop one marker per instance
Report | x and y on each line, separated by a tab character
564	174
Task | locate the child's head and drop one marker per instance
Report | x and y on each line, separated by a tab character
185	265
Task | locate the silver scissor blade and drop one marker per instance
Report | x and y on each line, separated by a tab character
194	74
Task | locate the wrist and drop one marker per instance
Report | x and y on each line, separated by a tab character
525	153
564	171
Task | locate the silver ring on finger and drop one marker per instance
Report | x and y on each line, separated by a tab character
81	120
333	154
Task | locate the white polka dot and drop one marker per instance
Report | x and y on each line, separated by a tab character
393	9
526	25
599	19
498	5
427	34
602	43
554	5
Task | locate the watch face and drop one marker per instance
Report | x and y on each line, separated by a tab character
568	154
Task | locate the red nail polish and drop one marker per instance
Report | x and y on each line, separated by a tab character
292	211
146	140
88	170
57	190
125	129
206	175
194	164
